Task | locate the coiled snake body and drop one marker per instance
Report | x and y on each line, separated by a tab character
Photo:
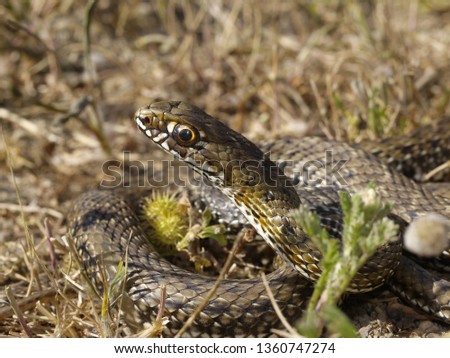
105	228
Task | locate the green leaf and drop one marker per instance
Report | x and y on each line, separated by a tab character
310	325
216	232
118	278
207	217
338	323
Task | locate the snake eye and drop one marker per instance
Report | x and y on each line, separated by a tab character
185	135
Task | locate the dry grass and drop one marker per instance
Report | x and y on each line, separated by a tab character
347	69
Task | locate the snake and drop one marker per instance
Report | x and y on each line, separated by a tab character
105	227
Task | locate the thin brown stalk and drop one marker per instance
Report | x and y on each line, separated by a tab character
277	309
51	247
18	312
212	291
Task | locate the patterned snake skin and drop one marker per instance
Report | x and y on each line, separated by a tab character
104	224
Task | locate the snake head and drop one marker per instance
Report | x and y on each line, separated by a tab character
205	143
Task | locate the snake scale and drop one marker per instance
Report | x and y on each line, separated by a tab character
104	226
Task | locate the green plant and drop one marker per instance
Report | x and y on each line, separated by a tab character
366	228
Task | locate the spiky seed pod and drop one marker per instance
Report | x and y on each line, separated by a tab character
167	219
